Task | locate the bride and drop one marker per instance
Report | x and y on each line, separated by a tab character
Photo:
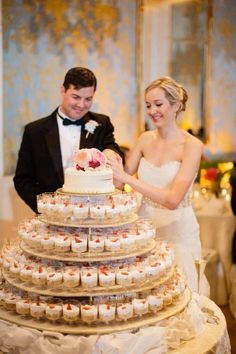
167	160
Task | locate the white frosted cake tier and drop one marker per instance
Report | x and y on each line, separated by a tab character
89	181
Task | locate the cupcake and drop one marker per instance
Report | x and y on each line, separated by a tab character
127	242
150	232
26	273
37	309
127	207
89	278
112	244
35	240
131	204
65	209
138	275
25	235
140	306
10	301
80	211
141	240
106	312
48	242
54	279
123	208
15	269
50	208
79	244
62	243
155	302
53	311
167	260
41	204
23	306
124	311
37	224
71	277
89	313
154	270
70	312
107	277
123	277
167	298
180	283
97	211
39	276
96	244
6	263
112	211
174	291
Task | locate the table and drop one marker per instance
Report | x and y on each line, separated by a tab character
216	232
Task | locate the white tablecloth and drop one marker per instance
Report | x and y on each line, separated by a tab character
217	225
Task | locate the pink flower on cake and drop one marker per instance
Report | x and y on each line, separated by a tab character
98	158
89	158
82	158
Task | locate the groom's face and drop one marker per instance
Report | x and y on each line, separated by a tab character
76	102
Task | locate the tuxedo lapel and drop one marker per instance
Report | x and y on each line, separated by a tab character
53	144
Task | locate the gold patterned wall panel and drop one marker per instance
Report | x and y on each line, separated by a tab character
43	39
222	82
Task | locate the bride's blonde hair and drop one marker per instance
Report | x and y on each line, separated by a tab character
174	92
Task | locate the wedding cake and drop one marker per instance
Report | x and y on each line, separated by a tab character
89	173
88	267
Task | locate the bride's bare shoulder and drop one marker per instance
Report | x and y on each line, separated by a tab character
144	140
192	141
147	135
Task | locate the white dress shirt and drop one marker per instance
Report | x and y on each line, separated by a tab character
69	140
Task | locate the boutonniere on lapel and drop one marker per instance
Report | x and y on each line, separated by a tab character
90	127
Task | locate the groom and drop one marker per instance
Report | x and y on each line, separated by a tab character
48	144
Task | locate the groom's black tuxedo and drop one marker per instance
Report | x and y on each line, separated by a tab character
39	167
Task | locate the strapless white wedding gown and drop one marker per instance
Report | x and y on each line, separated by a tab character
179	226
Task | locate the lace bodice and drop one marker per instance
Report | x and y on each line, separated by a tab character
161	176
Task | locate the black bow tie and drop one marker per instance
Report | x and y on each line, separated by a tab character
67	121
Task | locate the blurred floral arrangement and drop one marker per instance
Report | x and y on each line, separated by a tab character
215	176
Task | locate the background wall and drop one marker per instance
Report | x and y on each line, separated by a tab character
221	88
194	41
42	39
174	44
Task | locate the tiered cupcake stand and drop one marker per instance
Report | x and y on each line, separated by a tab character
91	295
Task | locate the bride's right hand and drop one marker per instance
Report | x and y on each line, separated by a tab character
118	170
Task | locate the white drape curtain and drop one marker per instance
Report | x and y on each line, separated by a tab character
156	41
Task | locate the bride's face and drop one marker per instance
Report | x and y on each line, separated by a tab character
159	108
